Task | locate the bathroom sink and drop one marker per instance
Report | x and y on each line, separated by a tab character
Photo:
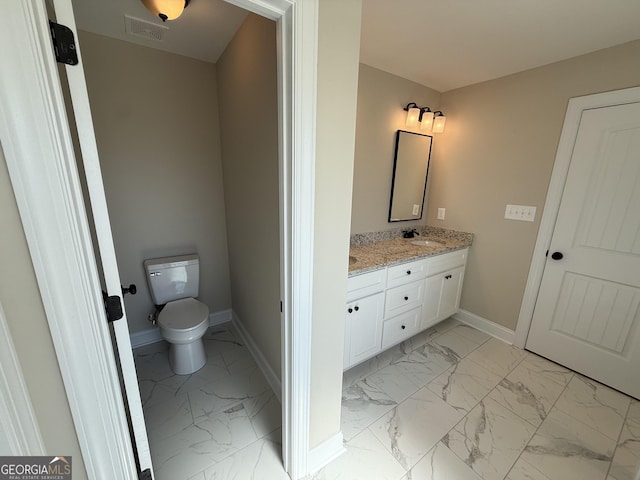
427	243
352	260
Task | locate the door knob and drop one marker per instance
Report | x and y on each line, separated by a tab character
132	289
557	255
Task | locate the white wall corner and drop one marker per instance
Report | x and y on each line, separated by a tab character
261	360
325	453
152	335
486	326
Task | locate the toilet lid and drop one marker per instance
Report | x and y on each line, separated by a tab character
183	314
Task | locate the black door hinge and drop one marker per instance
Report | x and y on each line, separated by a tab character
113	307
64	44
146	475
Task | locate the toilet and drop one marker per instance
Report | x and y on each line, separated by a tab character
174	283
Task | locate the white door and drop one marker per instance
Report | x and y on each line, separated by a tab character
95	187
587	315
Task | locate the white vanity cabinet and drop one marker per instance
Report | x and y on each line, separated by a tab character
390	305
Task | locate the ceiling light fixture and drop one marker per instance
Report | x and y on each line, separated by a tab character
166	9
428	120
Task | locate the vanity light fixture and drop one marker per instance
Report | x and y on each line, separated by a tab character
166	9
413	114
438	122
428	120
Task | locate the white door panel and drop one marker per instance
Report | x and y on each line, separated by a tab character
588	308
95	187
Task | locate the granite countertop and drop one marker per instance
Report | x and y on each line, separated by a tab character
380	249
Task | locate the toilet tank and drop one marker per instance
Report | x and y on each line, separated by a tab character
173	278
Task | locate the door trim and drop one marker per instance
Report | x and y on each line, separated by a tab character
39	153
40	157
17	418
554	196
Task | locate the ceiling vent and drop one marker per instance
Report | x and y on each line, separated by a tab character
141	28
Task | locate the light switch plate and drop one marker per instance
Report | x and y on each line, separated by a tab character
441	213
416	209
520	212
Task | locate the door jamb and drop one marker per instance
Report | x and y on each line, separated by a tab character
554	196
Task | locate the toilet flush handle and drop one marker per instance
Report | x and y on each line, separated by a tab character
132	289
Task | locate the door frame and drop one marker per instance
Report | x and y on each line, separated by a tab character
568	137
39	153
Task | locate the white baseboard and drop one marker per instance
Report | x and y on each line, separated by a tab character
325	453
152	335
218	318
145	337
261	360
486	326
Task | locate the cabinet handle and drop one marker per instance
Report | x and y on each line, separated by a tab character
350	310
408	272
406	298
403	327
356	308
447	277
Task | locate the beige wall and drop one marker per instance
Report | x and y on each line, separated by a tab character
20	299
498	149
338	54
156	121
381	98
247	91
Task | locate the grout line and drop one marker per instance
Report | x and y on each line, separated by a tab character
541	423
615	448
481	400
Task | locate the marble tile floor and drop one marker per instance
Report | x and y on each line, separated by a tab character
450	403
208	424
454	403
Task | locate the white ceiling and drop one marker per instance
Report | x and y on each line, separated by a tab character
443	44
203	31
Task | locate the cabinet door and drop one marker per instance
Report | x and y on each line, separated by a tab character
451	289
364	325
441	296
431	305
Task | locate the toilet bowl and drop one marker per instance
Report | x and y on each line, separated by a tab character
183	320
183	323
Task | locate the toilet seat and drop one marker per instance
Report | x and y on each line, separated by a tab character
184	315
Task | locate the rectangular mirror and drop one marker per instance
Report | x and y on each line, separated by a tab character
410	170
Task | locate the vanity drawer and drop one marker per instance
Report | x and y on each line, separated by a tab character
448	261
403	298
399	328
365	284
406	272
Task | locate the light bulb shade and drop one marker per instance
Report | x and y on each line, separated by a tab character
427	121
438	124
412	117
165	9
